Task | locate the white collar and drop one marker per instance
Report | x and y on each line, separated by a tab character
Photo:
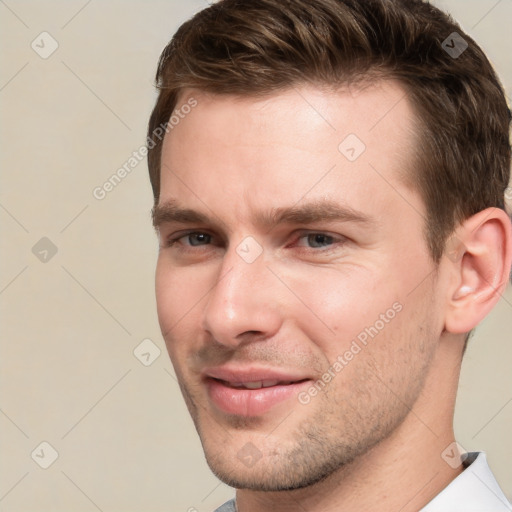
474	490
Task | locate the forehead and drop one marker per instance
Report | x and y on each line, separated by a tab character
347	144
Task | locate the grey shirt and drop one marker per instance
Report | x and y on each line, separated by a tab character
229	506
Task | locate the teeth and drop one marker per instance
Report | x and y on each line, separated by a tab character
253	385
268	383
257	384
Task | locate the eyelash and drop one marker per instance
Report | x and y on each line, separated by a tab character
336	240
173	240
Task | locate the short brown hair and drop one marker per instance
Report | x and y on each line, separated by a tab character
255	47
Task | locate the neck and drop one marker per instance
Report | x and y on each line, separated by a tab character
403	472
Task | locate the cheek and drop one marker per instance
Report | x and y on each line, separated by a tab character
343	304
165	286
177	297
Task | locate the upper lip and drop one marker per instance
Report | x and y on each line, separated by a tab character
252	374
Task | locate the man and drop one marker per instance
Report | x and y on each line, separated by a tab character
329	199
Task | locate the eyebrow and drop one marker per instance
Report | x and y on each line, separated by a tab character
170	211
308	213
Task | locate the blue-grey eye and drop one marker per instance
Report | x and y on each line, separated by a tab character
196	239
317	240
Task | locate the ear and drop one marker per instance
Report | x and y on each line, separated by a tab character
479	256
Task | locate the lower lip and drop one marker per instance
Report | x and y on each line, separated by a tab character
250	402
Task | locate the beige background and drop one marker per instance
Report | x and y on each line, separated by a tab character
70	325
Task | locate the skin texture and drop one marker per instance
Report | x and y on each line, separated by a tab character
373	436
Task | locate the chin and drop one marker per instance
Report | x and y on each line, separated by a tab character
276	470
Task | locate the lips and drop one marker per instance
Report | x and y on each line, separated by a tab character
251	391
256	384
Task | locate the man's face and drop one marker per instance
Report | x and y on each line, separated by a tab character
293	258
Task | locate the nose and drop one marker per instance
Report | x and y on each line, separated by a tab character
244	303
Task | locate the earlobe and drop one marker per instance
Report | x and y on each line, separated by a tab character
481	270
